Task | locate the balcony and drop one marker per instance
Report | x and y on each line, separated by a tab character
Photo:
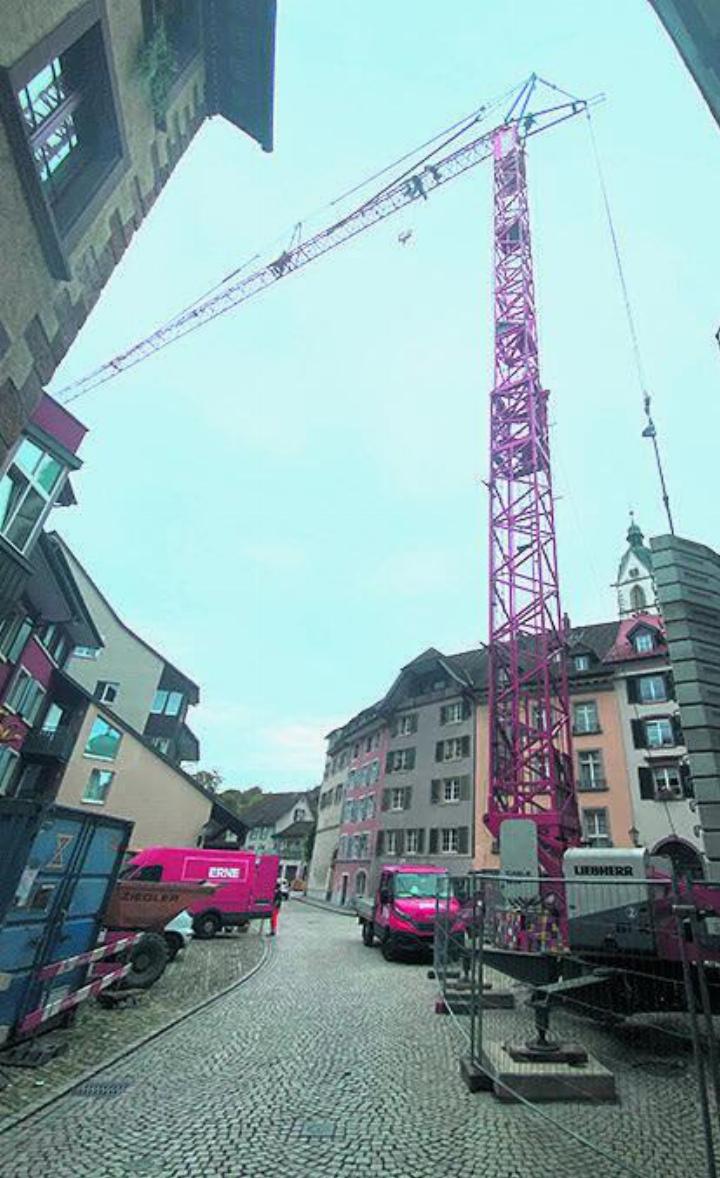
49	745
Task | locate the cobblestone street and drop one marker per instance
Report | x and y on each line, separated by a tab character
328	1062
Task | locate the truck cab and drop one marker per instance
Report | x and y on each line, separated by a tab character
401	914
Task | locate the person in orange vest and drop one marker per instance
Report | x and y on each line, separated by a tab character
274	915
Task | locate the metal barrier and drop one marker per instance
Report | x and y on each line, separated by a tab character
596	1014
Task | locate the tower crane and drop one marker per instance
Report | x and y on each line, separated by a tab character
530	771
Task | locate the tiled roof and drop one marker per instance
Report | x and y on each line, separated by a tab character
267	811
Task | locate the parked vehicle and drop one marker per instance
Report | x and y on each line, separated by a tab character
401	914
178	933
243	883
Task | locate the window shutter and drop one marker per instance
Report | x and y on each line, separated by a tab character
414	723
686	781
439	751
379	842
386	799
647	787
632	690
465	788
678	737
410	758
466	746
389	763
466	709
407	799
638	734
433	840
420	841
463	840
669	685
399	842
435	791
443	714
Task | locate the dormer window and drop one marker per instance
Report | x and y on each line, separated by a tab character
643	641
28	490
581	662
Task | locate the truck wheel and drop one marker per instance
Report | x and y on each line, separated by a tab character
148	959
174	944
368	934
387	948
206	925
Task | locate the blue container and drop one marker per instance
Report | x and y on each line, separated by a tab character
57	911
19	822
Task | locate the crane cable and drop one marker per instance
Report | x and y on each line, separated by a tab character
650	430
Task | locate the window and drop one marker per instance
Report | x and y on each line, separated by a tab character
449	841
369	807
637	597
8	761
161	743
391	842
103	741
298	814
98	786
374	772
53	718
659	732
106	692
454	713
452	750
596	828
643	641
397	799
413	842
28	490
338	794
25	696
86	652
376	740
585	718
66	114
14	633
360	883
401	760
451	789
356	751
650	689
368	744
167	703
592	773
667	782
407	724
581	662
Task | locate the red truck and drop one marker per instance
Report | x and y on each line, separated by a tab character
401	914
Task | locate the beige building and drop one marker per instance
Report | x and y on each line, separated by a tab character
98	102
111	767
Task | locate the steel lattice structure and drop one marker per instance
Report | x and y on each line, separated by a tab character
530	771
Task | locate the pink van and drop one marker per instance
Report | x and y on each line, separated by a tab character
244	882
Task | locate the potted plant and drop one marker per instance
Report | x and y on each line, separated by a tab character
157	64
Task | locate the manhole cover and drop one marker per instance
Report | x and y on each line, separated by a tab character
317	1128
102	1088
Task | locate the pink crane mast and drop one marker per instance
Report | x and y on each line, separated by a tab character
530	736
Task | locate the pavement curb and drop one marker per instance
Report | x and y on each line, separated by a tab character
326	907
41	1108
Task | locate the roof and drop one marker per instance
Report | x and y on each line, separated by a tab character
470	667
239	38
267	811
69	555
51	588
296	830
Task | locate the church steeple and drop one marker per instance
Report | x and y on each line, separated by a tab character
635	583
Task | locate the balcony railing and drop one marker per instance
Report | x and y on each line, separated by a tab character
56	744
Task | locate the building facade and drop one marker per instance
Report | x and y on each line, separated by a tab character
138	682
282	824
633	785
98	102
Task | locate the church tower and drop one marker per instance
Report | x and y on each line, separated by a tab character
635	584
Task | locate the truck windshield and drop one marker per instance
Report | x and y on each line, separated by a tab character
407	886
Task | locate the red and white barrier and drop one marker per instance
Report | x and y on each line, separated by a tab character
59	1005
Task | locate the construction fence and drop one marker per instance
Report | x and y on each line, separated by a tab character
595	1005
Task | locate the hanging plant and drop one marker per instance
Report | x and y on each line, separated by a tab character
158	66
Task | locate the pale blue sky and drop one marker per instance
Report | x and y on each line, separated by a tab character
288	503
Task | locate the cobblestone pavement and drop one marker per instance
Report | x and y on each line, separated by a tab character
201	970
328	1063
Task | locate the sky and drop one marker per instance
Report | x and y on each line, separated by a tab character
289	503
